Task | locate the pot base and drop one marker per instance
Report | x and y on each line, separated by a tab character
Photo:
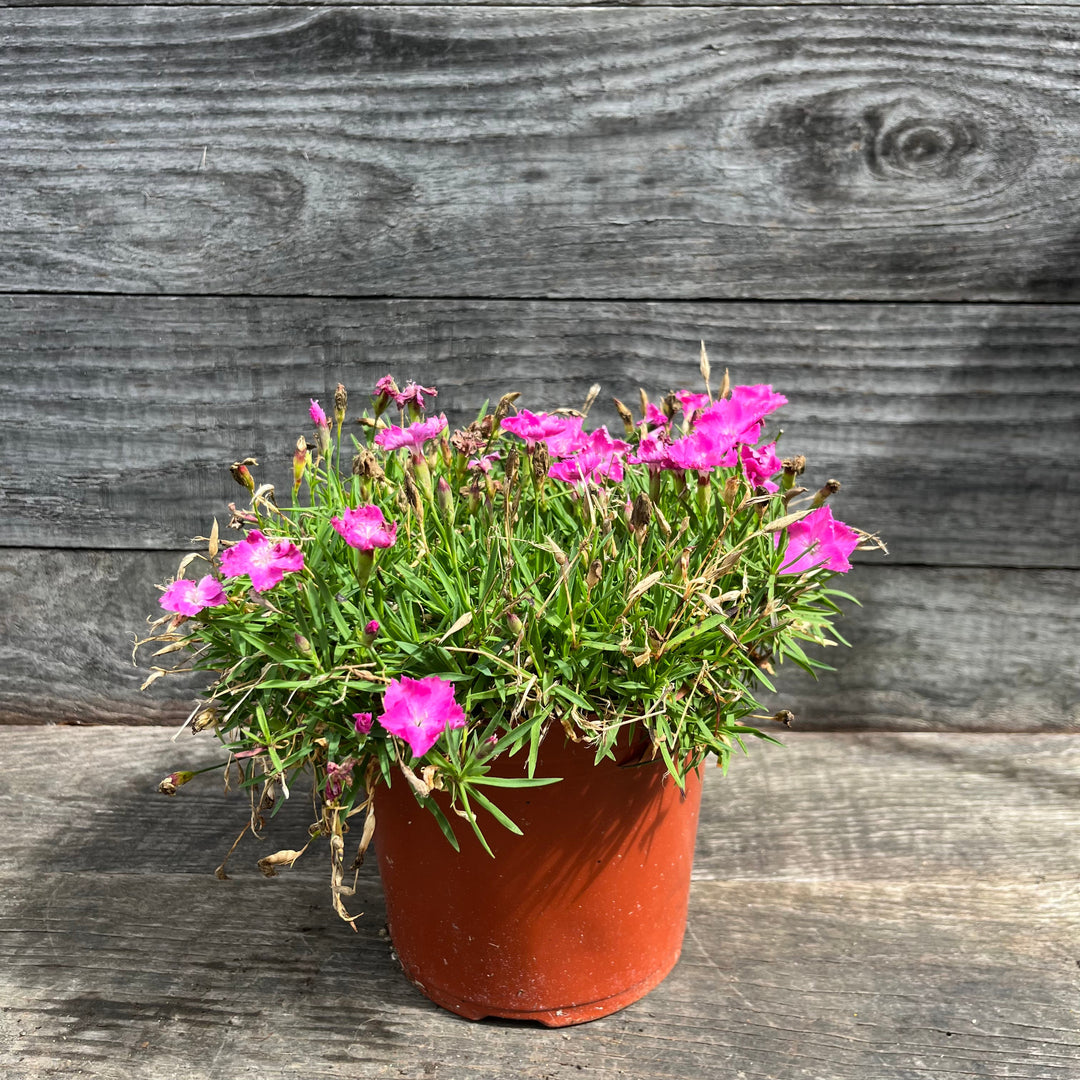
566	1016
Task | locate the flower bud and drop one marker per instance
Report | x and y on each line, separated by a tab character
502	410
173	781
362	721
793	467
371	631
303	646
299	464
514	624
386	391
731	491
242	474
682	567
444	497
341	399
640	517
625	415
831	488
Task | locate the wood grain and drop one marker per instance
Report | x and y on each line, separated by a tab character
839	807
932	648
805	968
843	151
952	427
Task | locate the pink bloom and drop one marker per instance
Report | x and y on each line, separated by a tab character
568	440
362	722
654	417
187	598
761	464
372	627
692	402
739	418
652	451
535	427
818	540
415	435
337	776
365	528
413	394
599	458
704	449
420	710
265	561
483	464
386	390
318	417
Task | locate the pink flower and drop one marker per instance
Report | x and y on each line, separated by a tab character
483	464
413	394
365	528
568	440
654	417
704	449
386	390
739	418
535	427
420	710
318	417
652	451
372	628
692	402
818	540
362	722
265	561
600	457
415	435
187	598
761	464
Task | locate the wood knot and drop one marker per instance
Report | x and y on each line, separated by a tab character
904	142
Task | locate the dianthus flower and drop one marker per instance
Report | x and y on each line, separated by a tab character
365	528
535	427
739	418
414	436
818	540
600	457
761	464
654	417
420	710
188	598
483	464
413	394
704	449
692	402
568	440
265	561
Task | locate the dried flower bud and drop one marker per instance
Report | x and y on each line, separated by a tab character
725	386
502	410
793	467
641	516
731	491
341	399
670	405
366	465
590	398
643	398
242	474
596	572
682	567
412	493
784	716
173	781
541	462
513	459
625	415
703	367
207	718
831	488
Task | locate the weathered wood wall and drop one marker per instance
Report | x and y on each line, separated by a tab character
208	214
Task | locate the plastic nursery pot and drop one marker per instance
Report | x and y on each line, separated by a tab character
580	916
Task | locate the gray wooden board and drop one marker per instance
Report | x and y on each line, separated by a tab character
951	957
975	649
952	427
834	151
827	806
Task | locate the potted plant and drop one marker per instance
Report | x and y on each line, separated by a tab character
505	652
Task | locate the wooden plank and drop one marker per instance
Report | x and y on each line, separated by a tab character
949	425
856	807
793	968
932	648
846	151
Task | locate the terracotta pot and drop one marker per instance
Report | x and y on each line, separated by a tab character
579	917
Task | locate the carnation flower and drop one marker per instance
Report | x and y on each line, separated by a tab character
365	528
265	561
599	458
414	436
761	464
413	394
568	439
362	721
420	710
818	541
535	427
704	449
188	598
483	464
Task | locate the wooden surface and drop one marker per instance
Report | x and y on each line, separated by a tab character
932	647
936	418
658	153
863	906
